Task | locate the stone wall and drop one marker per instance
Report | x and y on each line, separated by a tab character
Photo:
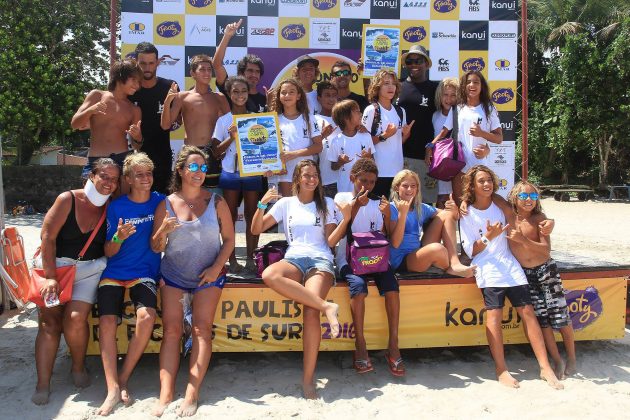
38	185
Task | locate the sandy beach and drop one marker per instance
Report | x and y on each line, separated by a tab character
441	382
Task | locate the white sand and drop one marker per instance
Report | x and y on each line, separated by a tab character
443	383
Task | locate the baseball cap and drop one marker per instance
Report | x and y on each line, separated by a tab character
307	59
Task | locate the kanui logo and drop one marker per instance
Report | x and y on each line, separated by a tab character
385	9
444	6
350	31
473	35
474	64
293	32
264	2
479	36
169	29
443	65
415	34
263	8
324	4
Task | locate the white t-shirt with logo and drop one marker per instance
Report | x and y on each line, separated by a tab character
389	154
496	266
368	219
313	104
295	136
466	116
228	163
439	121
304	227
351	146
328	175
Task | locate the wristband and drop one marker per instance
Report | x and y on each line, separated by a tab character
381	138
429	146
262	206
116	239
485	240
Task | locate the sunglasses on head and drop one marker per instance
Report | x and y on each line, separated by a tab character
524	195
339	73
194	167
411	61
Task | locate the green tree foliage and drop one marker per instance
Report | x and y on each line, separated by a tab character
49	60
580	90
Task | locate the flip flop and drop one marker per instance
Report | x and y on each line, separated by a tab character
396	367
362	365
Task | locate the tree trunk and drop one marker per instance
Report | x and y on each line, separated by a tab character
26	146
604	143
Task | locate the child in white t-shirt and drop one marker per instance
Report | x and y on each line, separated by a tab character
327	98
368	216
348	145
306	273
300	137
498	275
386	122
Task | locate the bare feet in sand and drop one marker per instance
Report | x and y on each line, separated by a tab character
109	404
571	368
159	408
309	391
188	407
508	380
551	379
558	368
125	397
331	313
81	379
40	396
462	270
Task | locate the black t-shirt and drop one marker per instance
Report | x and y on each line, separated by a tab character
360	99
256	102
157	142
418	100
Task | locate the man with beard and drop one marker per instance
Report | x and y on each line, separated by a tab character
417	97
150	98
340	77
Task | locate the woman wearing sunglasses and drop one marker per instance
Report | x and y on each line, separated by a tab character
194	229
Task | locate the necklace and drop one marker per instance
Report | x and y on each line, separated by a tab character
187	203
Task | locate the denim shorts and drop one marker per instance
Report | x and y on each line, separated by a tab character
385	282
308	264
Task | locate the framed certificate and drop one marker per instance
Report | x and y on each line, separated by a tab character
258	144
380	47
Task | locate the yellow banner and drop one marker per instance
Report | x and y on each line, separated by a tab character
432	315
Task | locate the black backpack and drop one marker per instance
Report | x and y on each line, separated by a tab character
377	117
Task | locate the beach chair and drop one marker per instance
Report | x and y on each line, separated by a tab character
15	272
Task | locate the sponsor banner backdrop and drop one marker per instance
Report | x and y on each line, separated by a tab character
437	315
457	33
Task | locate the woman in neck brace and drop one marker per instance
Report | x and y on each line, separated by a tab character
67	227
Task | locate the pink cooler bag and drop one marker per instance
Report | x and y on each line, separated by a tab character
368	253
448	159
268	254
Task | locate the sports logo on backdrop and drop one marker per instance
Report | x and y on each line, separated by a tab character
503	10
169	29
200	3
473	64
262	8
503	35
444	6
293	32
193	51
585	307
324	4
443	64
168	60
350	32
262	31
508	123
240	39
502	96
385	9
474	6
137	28
502	65
414	34
324	33
473	35
137	6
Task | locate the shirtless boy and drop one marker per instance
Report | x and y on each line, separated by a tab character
111	116
200	107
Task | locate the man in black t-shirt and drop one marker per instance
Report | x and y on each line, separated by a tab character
150	99
417	97
340	77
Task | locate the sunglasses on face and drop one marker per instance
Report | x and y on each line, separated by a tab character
340	73
411	61
524	195
194	167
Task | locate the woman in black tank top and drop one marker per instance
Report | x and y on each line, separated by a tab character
66	229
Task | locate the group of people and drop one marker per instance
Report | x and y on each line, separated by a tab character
352	165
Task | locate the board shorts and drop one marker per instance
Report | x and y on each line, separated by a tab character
119	158
547	295
111	295
494	297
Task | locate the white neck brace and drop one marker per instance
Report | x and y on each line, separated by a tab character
93	195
